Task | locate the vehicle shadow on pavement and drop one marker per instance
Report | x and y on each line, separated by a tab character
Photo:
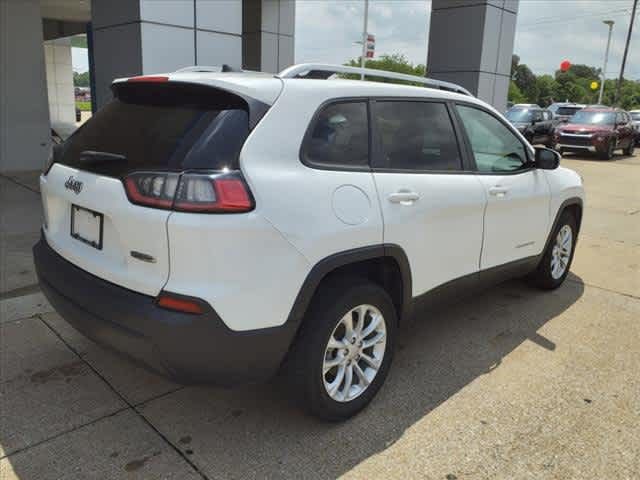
257	431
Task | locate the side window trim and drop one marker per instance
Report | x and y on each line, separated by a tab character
377	161
468	142
468	157
312	124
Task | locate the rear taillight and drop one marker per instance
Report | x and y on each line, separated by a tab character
222	192
152	189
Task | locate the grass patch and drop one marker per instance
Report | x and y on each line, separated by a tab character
84	106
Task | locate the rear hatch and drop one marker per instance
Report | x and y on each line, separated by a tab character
150	127
563	114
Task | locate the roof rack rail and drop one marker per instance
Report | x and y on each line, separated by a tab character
203	68
324	71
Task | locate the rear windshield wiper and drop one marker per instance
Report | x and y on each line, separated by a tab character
90	156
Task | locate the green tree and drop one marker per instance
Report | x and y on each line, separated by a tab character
547	86
585	71
573	85
515	95
524	79
81	79
390	63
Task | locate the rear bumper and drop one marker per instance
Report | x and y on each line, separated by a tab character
187	348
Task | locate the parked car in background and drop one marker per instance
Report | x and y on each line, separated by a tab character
562	112
635	121
597	130
527	105
534	123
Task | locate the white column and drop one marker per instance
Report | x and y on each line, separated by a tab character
24	118
62	112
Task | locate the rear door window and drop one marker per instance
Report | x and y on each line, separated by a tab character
416	136
161	128
339	137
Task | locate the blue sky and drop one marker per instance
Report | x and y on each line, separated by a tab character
548	31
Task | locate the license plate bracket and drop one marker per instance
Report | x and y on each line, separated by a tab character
87	226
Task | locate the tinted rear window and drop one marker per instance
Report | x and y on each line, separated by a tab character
568	110
417	136
339	138
162	127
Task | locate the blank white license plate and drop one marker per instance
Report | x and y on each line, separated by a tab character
86	226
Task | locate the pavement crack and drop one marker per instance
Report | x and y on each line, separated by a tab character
65	432
20	292
20	184
630	295
132	406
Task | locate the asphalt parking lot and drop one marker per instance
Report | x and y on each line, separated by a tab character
512	384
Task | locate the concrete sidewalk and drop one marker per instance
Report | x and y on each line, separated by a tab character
516	383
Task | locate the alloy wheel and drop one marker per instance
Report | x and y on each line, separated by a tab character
354	353
561	252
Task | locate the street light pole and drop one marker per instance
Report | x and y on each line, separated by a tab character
606	58
626	51
364	36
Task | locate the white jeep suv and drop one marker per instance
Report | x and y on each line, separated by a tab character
220	226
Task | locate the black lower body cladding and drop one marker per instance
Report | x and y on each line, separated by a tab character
185	347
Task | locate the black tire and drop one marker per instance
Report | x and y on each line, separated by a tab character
305	361
542	276
608	153
629	150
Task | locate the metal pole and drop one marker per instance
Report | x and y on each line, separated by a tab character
626	50
364	36
606	58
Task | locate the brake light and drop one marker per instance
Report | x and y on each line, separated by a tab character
179	304
149	79
220	192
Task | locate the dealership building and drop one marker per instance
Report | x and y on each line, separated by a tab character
470	43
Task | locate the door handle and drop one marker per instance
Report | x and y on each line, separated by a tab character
498	191
404	197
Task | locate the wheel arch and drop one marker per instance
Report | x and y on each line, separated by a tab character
575	206
384	264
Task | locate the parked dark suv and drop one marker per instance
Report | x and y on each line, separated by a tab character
533	122
597	130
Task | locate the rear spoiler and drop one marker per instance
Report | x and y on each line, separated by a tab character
159	90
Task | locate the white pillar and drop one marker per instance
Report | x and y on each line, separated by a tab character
62	109
24	118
